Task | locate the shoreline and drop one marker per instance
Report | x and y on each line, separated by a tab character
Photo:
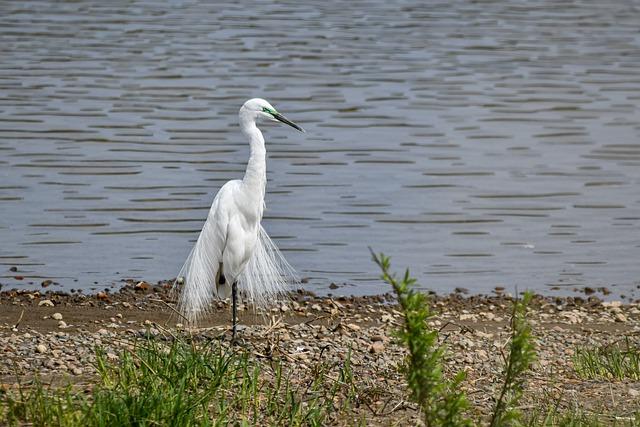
54	336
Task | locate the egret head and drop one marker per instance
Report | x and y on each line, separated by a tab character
259	109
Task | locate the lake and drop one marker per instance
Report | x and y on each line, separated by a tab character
480	144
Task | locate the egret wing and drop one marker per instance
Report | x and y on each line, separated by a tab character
200	271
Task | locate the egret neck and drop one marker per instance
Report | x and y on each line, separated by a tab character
256	174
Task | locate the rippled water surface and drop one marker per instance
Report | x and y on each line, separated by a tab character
481	144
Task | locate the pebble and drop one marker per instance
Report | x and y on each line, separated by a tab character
45	303
619	317
41	348
62	324
377	347
56	316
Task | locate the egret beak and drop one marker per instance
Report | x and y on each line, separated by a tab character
283	119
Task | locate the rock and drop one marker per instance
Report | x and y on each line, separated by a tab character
76	371
619	317
353	326
41	348
377	347
56	316
633	392
316	307
45	303
142	286
102	296
62	324
387	318
46	283
126	305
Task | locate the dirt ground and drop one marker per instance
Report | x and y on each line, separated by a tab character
55	335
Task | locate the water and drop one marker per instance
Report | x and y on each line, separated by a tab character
481	144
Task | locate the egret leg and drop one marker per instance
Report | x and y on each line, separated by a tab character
234	310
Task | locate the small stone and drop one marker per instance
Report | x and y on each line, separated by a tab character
56	316
76	371
284	308
377	347
41	348
619	317
103	331
112	356
353	327
316	307
387	318
126	305
45	303
633	392
142	286
46	283
62	324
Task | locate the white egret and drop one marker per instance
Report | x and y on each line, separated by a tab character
233	251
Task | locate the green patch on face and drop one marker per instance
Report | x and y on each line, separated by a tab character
269	110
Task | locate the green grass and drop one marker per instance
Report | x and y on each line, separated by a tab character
617	361
188	384
553	417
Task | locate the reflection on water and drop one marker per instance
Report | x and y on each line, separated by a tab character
481	144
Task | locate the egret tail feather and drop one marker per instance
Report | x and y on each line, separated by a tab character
198	275
267	275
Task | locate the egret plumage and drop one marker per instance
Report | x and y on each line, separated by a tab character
233	252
